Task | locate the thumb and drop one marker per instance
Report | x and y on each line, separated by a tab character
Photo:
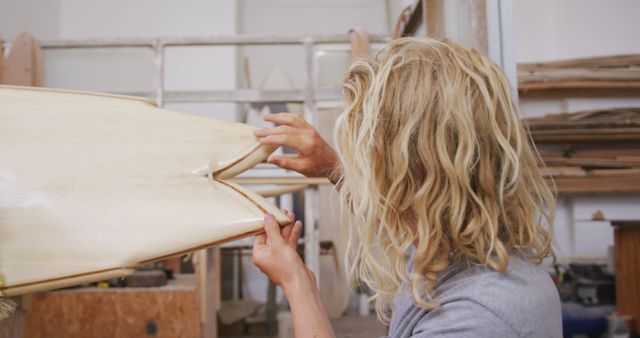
272	228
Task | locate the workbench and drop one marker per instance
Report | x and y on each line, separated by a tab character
168	311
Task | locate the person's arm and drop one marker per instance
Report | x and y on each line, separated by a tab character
315	157
274	253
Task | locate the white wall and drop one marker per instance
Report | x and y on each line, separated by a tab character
41	18
301	17
130	69
563	29
559	29
548	30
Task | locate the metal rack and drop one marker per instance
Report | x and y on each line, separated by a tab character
309	96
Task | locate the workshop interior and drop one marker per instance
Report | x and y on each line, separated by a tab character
133	189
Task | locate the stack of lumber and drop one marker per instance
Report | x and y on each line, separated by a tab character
618	75
595	151
604	125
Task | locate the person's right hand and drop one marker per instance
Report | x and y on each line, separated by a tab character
275	254
315	157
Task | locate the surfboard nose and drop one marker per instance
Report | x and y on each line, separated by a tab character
118	176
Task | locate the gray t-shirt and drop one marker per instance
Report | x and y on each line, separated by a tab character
479	302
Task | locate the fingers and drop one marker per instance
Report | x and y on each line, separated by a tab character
292	215
274	131
259	242
296	230
286	119
287	140
272	228
285	162
286	231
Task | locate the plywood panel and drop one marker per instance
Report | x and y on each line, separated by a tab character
169	312
627	251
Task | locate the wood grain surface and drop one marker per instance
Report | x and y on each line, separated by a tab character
98	183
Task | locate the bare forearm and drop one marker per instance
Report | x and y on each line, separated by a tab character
309	316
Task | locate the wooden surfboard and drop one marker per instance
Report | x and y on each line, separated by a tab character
94	185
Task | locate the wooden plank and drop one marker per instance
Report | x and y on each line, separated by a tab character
627	263
588	119
19	67
620	154
586	135
208	290
590	162
579	85
616	172
562	171
579	89
435	18
602	61
579	74
23	66
169	311
601	163
37	64
604	184
595	92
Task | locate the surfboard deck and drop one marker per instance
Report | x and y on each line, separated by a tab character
93	185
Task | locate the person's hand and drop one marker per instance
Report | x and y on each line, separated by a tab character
275	254
315	157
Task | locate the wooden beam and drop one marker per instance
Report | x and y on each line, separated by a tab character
586	135
478	26
592	88
597	184
208	290
434	14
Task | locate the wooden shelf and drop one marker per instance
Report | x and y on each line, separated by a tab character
592	88
608	135
597	184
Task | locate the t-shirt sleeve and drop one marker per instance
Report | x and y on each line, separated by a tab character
462	319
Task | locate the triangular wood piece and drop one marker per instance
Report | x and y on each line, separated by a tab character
23	66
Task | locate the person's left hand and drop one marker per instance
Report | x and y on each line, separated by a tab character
275	254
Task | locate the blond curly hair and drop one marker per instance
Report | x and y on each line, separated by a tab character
434	156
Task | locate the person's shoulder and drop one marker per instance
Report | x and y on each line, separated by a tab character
463	318
524	296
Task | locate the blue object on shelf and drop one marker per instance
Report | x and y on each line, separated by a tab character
579	319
